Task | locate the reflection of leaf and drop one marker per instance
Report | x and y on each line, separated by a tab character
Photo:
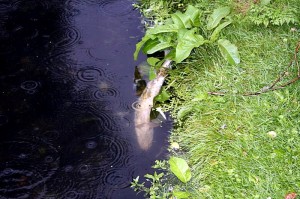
180	168
181	194
229	51
217	15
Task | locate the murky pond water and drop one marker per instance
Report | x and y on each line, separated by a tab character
66	120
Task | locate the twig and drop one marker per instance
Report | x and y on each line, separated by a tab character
274	85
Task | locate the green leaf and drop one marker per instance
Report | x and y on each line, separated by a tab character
163	96
152	61
180	168
162	29
158	47
229	51
217	15
140	45
214	36
181	20
194	15
148	45
181	194
152	73
187	40
184	111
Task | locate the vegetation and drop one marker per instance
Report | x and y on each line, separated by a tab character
236	124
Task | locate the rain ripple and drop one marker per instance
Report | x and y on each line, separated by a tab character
25	166
30	85
68	37
118	179
116	8
89	74
106	92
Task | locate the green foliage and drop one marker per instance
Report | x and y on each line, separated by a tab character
163	96
267	13
229	51
159	187
226	139
181	33
217	16
181	194
180	168
155	191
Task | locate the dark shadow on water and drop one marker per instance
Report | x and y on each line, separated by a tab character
66	120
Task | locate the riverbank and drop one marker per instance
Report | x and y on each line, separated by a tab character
238	130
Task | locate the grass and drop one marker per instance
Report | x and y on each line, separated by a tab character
226	139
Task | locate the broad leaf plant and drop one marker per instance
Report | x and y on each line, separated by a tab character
181	34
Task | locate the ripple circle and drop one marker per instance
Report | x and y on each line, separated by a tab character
68	37
91	144
116	7
29	85
89	75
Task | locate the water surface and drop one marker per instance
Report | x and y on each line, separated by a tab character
66	120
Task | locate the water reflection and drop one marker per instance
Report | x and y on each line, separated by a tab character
66	119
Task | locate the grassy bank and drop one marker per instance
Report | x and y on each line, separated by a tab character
238	146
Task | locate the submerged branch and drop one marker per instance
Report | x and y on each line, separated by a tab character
143	125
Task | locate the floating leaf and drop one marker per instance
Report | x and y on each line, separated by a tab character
217	15
181	194
229	51
180	168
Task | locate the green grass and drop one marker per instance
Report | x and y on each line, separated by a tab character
225	139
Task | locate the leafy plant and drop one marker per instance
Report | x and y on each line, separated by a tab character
159	188
155	190
181	34
180	168
267	13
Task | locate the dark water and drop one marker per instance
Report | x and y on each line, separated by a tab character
66	121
